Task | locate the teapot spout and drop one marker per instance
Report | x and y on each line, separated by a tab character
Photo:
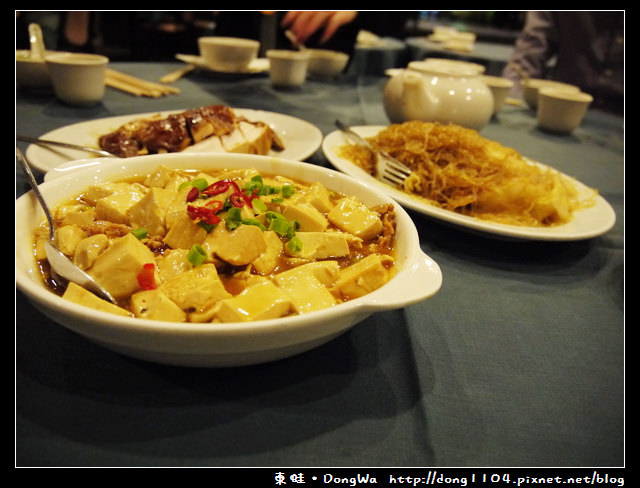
407	98
418	100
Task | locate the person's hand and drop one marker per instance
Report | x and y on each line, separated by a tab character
304	24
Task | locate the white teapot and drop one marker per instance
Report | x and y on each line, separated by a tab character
439	91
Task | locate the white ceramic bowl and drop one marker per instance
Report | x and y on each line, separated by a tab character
325	63
32	74
561	110
227	344
78	78
230	54
533	85
287	68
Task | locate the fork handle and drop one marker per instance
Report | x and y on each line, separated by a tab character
45	142
353	135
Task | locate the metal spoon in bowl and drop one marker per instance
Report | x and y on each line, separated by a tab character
60	264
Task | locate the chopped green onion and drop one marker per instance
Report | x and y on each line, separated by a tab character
294	245
255	222
234	218
207	227
294	225
280	227
288	190
258	205
272	215
254	185
199	183
196	255
140	233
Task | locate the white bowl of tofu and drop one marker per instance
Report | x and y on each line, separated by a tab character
303	256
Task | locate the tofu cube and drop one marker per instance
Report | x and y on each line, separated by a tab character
80	215
164	177
327	272
114	207
268	260
88	249
151	210
309	217
258	302
96	192
196	290
353	216
238	247
364	276
176	208
321	245
76	294
306	291
172	262
184	233
117	268
155	305
318	196
69	236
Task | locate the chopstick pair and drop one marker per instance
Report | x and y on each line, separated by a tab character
137	86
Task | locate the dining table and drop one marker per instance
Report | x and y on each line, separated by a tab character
518	362
492	55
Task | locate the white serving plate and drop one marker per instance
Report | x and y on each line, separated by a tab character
587	223
301	138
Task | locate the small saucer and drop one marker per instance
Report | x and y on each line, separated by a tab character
258	65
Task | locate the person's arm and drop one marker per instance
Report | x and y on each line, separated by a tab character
534	47
303	24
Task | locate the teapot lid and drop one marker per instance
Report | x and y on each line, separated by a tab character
446	67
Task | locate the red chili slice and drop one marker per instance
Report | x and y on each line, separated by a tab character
203	214
240	199
220	187
147	277
215	205
193	194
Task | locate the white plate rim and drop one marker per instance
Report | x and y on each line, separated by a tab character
587	223
85	133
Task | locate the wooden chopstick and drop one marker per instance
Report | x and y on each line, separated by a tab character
137	86
177	74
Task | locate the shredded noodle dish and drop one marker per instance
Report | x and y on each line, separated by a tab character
456	169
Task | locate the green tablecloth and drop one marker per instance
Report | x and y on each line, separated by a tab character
517	361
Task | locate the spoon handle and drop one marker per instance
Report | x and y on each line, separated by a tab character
36	40
34	186
60	263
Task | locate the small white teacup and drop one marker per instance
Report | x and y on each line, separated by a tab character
532	86
500	88
287	68
560	110
78	79
228	54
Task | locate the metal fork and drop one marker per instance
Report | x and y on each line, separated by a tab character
388	169
45	142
